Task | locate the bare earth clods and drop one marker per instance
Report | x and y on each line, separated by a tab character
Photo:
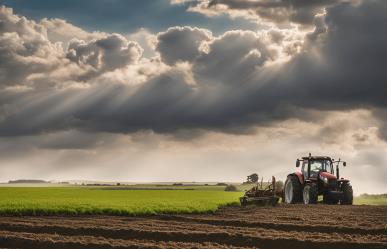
285	226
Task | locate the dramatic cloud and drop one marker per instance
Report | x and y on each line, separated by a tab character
181	44
88	90
232	55
59	30
238	80
282	12
24	49
105	54
344	65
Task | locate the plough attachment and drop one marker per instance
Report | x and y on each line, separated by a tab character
261	196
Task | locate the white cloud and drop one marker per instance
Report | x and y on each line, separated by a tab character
146	39
282	12
59	30
181	44
105	54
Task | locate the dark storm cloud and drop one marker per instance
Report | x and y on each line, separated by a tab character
232	58
348	69
13	147
233	82
283	11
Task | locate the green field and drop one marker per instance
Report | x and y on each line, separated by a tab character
84	200
371	200
127	200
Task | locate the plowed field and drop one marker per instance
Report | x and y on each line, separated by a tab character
294	226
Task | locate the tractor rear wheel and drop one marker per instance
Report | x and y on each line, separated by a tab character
347	194
310	194
293	190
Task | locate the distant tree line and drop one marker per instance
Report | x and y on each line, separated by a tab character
373	195
27	181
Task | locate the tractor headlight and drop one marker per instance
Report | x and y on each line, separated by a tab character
325	179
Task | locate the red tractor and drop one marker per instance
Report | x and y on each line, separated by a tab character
317	177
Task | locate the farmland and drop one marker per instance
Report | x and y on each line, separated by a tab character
371	199
141	199
167	216
117	201
285	226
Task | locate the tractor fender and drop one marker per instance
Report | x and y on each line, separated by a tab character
299	176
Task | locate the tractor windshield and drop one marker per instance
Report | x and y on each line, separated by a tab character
320	165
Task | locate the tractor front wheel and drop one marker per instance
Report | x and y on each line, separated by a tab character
310	194
347	194
292	190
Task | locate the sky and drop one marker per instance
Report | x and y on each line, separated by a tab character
192	90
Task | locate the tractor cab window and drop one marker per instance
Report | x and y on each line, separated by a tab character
304	169
328	167
320	165
315	167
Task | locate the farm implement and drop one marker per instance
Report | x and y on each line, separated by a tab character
262	195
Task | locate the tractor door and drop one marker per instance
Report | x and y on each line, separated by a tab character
304	169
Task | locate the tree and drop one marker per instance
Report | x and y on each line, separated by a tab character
253	178
231	188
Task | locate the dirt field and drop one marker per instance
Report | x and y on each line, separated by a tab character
295	226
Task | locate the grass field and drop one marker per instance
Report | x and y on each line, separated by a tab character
240	187
83	200
371	200
127	200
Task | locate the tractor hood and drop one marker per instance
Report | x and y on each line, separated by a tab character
327	175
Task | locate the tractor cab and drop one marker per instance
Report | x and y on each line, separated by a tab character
315	166
311	168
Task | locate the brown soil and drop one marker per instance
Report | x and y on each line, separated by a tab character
285	226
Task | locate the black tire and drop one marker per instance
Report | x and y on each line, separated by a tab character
310	194
330	201
292	190
347	194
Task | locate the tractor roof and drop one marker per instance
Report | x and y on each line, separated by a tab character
317	158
